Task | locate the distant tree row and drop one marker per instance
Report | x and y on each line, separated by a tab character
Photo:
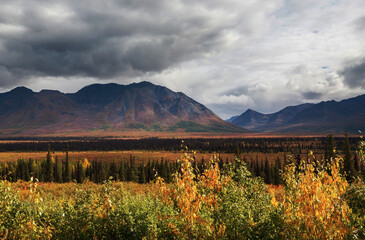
230	145
53	170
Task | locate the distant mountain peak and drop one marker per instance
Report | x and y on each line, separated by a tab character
251	111
21	89
106	107
143	84
326	116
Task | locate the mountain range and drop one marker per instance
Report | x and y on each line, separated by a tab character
324	117
109	107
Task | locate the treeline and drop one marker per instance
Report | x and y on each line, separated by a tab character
246	145
352	167
54	170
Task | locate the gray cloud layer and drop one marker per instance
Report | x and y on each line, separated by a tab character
102	39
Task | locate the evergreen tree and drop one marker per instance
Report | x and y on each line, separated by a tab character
31	167
276	172
113	171
348	163
49	166
258	168
150	174
168	171
262	169
58	171
252	167
26	172
267	172
329	153
237	154
133	170
220	164
121	172
297	162
162	171
19	170
202	165
80	174
67	168
142	174
356	163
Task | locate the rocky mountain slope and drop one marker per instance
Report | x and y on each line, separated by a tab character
111	107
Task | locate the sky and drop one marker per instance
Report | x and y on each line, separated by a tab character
229	55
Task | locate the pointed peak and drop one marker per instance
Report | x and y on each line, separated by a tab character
251	111
21	89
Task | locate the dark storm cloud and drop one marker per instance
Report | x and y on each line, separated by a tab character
101	39
355	75
312	95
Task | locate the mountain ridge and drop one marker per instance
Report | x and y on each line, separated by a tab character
323	117
109	107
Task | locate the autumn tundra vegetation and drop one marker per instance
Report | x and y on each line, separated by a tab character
311	198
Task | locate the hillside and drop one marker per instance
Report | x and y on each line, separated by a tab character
324	117
108	107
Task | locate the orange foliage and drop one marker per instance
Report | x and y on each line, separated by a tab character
194	196
313	204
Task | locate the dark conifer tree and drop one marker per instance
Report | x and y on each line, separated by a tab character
356	163
348	163
31	168
267	172
133	170
80	174
220	164
150	174
49	166
262	169
258	168
277	168
252	167
67	170
162	169
297	162
329	153
58	171
168	171
142	174
237	154
26	172
113	171
121	171
202	165
19	171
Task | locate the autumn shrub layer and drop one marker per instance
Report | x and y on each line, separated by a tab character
315	202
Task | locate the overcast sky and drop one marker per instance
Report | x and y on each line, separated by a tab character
230	55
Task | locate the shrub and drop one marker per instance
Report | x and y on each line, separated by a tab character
314	204
245	206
